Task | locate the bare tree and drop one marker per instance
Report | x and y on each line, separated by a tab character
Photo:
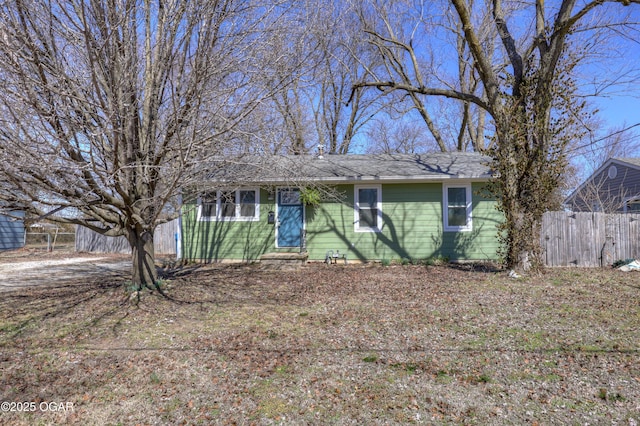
344	60
407	37
396	136
285	119
323	59
528	88
110	107
619	142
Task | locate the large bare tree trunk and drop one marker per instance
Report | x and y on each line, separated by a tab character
144	272
521	207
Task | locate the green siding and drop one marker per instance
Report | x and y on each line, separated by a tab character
412	228
225	240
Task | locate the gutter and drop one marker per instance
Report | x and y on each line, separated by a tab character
357	179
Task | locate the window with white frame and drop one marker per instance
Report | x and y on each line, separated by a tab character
248	201
207	207
226	204
457	207
239	205
368	208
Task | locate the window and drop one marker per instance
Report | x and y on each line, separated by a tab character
239	205
368	208
227	203
207	206
457	211
632	205
289	197
247	200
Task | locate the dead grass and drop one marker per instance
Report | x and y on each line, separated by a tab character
328	345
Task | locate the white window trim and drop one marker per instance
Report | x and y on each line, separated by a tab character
356	208
237	217
445	207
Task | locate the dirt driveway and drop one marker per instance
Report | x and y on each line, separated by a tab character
23	269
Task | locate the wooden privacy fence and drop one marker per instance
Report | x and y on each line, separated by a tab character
164	240
590	239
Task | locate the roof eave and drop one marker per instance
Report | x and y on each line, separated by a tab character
359	179
625	162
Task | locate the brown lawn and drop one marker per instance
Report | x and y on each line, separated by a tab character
325	344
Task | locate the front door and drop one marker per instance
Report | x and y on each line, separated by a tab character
290	218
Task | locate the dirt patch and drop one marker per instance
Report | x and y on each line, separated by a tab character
24	268
328	345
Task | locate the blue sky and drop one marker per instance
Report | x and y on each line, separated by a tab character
618	109
612	55
622	105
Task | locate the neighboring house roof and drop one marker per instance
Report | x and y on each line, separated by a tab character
353	168
609	182
631	162
626	161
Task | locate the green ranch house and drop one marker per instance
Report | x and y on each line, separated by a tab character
371	208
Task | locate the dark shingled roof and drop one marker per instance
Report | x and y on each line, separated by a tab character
352	168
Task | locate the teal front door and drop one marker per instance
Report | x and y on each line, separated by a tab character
290	218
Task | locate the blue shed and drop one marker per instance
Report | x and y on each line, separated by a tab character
11	230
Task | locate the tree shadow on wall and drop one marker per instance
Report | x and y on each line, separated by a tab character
215	241
401	239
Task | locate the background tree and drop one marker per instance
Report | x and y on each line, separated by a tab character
108	108
525	65
408	40
396	136
339	116
320	67
596	149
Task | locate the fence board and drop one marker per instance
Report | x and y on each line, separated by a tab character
164	240
589	239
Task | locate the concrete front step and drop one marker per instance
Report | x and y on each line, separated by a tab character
283	260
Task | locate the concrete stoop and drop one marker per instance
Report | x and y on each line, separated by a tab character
283	260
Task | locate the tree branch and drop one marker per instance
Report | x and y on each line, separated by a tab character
509	45
482	63
390	86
